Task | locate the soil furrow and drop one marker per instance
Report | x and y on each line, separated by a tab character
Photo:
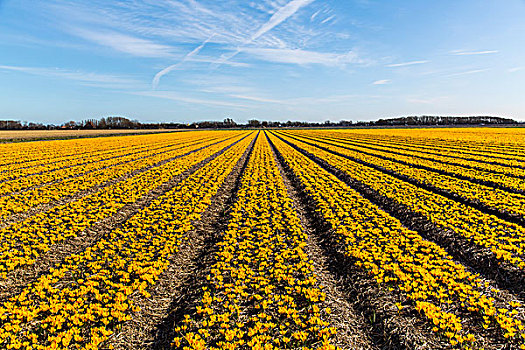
179	289
503	215
480	260
438	171
353	332
20	278
389	328
78	195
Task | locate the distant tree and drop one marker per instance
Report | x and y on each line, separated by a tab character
229	123
254	123
70	125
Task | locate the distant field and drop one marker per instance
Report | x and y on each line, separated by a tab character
16	135
265	239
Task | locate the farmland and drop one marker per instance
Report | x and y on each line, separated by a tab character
28	135
265	239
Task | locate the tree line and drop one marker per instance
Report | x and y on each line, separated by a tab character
125	123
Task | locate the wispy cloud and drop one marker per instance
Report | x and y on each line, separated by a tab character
381	82
214	60
174	96
428	100
328	19
304	57
404	64
468	53
515	69
258	99
126	43
473	71
316	13
280	16
302	101
277	18
86	78
168	69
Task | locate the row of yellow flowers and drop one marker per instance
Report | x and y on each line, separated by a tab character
26	154
410	154
442	290
262	291
100	162
509	182
504	239
465	151
14	171
501	200
83	301
108	170
25	241
488	142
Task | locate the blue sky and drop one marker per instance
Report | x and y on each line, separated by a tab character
313	60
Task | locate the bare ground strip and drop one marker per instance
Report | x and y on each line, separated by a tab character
20	278
388	327
479	259
179	289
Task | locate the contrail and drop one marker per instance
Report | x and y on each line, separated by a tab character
277	18
168	69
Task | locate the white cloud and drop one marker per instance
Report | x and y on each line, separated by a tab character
303	57
126	43
168	69
280	16
473	71
515	69
428	100
328	19
174	96
277	18
381	82
86	78
212	60
258	99
315	15
404	64
468	53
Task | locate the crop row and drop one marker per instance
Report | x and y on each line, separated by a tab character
408	153
85	299
14	172
25	241
504	239
508	142
507	183
262	292
455	302
494	198
21	155
461	150
22	201
403	145
99	163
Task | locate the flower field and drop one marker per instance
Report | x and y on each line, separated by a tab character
265	239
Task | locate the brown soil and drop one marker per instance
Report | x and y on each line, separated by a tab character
78	195
19	279
473	257
179	289
387	327
19	135
353	332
